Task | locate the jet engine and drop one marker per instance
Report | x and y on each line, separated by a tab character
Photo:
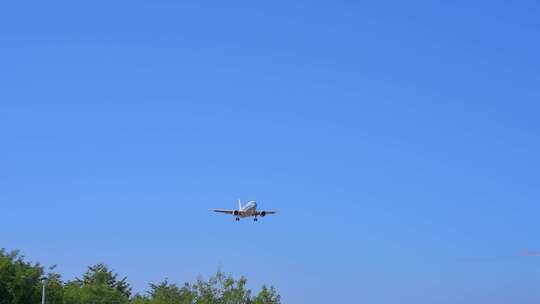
263	213
236	213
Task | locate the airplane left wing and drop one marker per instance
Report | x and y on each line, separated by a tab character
223	211
263	213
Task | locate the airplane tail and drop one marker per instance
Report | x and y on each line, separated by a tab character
239	205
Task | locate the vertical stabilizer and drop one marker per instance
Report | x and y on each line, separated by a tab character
239	205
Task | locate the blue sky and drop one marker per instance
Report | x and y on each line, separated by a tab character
400	142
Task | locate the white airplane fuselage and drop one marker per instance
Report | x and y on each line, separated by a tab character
250	209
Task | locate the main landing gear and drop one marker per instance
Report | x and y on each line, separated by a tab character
255	219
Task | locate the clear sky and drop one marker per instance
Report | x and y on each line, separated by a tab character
399	140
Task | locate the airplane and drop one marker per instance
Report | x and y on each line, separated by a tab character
250	209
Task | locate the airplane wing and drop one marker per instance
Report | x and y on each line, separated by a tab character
266	212
223	211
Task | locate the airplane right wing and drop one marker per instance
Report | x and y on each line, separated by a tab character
223	211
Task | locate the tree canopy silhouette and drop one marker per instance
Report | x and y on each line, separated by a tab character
20	283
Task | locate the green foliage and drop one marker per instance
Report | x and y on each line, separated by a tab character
267	296
54	288
165	293
92	294
139	299
101	275
19	280
222	289
20	283
99	285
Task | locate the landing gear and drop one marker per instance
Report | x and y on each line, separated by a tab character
237	219
255	219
